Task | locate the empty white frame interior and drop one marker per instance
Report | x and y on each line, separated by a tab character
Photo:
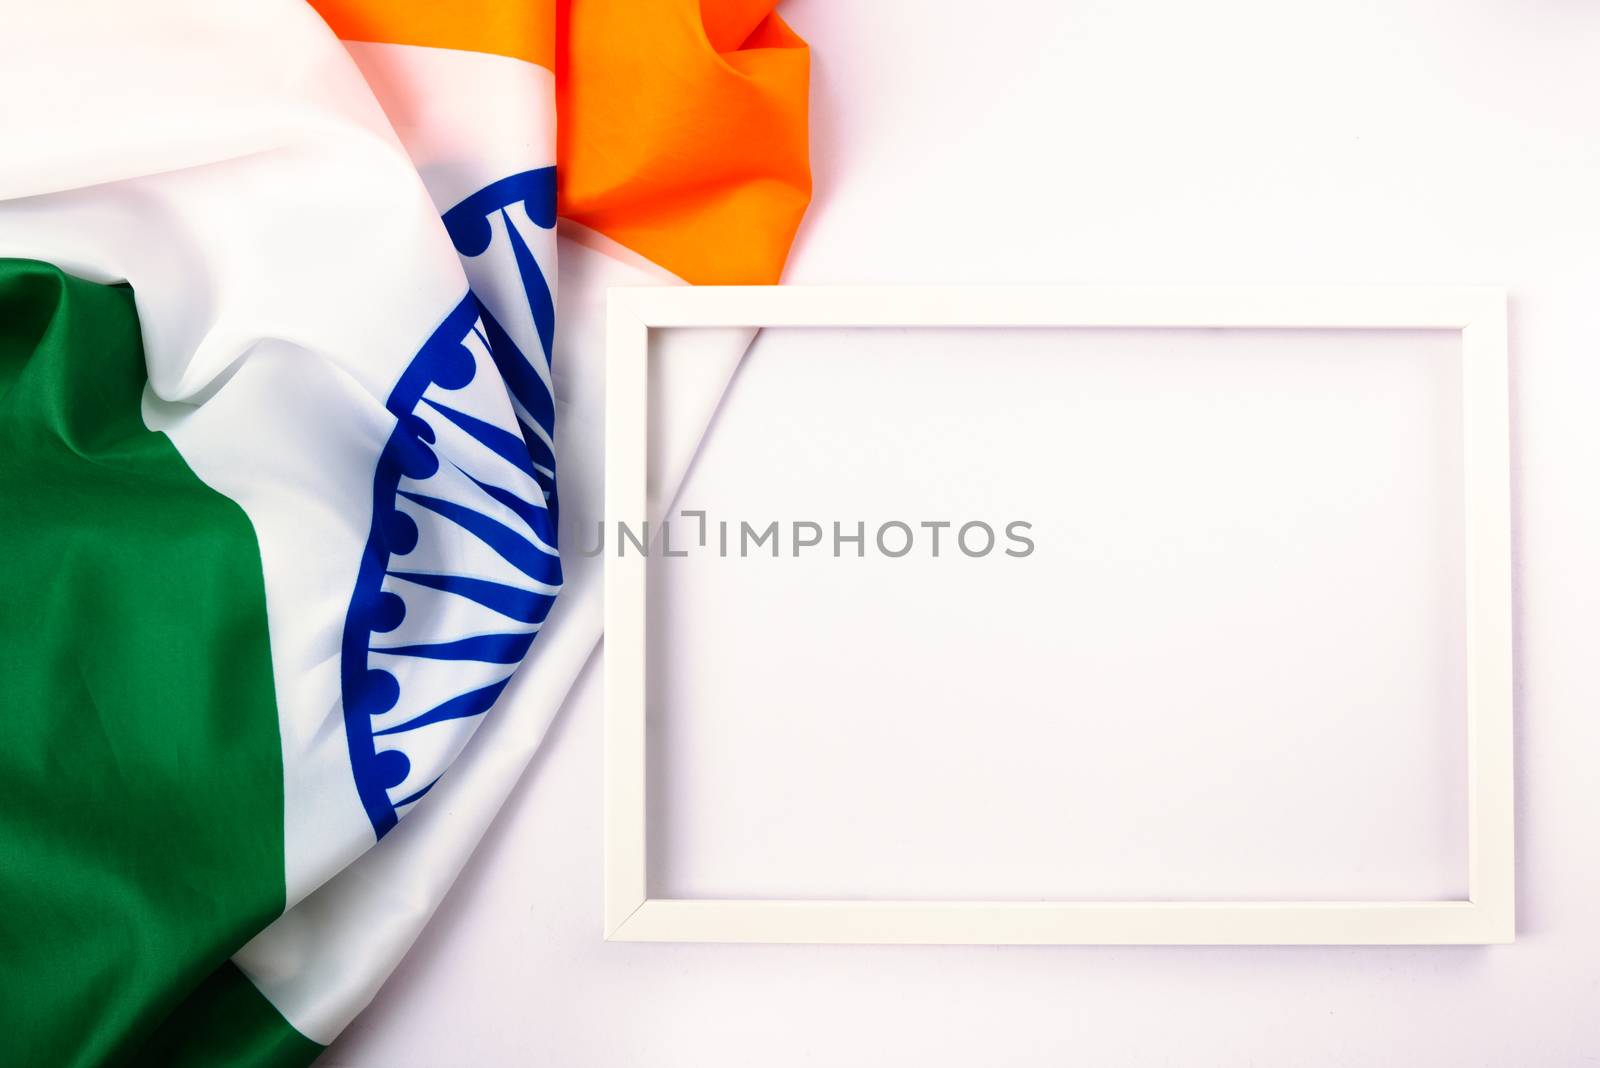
1474	319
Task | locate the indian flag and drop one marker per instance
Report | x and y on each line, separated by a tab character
291	434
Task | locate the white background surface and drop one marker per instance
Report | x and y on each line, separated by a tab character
1232	665
1163	142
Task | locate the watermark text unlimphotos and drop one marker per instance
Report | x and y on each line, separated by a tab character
694	532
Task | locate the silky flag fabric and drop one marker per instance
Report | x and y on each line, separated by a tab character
292	427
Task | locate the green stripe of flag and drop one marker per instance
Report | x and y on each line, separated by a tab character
141	780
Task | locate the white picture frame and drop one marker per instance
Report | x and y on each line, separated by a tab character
1486	915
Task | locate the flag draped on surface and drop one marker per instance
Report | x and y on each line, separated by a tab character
283	391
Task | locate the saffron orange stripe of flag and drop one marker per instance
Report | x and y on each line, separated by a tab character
681	125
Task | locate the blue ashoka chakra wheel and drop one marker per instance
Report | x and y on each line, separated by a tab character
460	565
